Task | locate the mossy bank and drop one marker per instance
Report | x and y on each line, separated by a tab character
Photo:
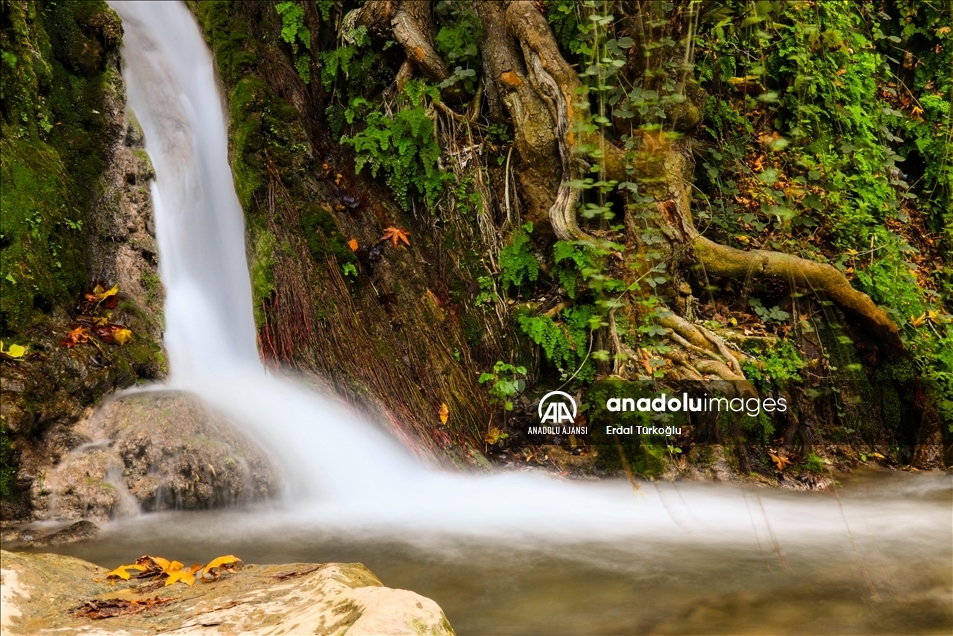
76	213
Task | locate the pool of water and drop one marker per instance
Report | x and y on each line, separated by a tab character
888	569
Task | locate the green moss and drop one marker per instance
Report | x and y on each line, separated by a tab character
43	260
323	237
262	276
8	468
56	79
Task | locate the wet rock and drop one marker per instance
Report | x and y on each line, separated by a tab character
40	592
154	451
33	536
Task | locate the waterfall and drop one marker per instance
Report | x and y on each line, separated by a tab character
343	472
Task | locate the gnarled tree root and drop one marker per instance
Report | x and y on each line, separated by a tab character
799	273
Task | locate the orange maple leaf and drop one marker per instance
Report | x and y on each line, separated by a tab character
76	336
781	461
353	245
395	234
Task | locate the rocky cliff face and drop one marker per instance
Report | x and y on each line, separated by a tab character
76	213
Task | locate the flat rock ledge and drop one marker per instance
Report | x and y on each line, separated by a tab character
40	592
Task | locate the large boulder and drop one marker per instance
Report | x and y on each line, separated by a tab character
154	451
41	591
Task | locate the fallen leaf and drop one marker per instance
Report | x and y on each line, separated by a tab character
76	336
121	573
214	568
15	351
395	234
780	461
185	576
444	413
353	245
122	335
494	435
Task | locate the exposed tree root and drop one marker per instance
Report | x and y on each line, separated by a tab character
799	273
526	73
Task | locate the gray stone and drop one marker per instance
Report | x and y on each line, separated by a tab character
154	451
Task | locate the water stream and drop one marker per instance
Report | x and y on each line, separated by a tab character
506	553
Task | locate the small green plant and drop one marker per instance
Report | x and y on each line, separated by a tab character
768	314
780	363
813	463
487	295
402	145
456	41
295	33
518	265
504	383
564	341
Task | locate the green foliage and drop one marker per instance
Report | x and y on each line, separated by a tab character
565	341
814	464
847	98
780	364
54	70
402	145
504	383
295	33
324	8
518	264
456	42
573	262
563	18
768	314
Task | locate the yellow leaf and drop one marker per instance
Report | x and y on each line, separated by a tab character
120	572
877	455
494	435
181	575
916	322
444	413
221	562
154	562
112	291
15	350
122	336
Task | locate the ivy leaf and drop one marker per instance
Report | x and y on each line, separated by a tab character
395	234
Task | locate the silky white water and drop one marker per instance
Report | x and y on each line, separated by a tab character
345	475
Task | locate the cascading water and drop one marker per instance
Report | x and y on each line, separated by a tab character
342	470
523	550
